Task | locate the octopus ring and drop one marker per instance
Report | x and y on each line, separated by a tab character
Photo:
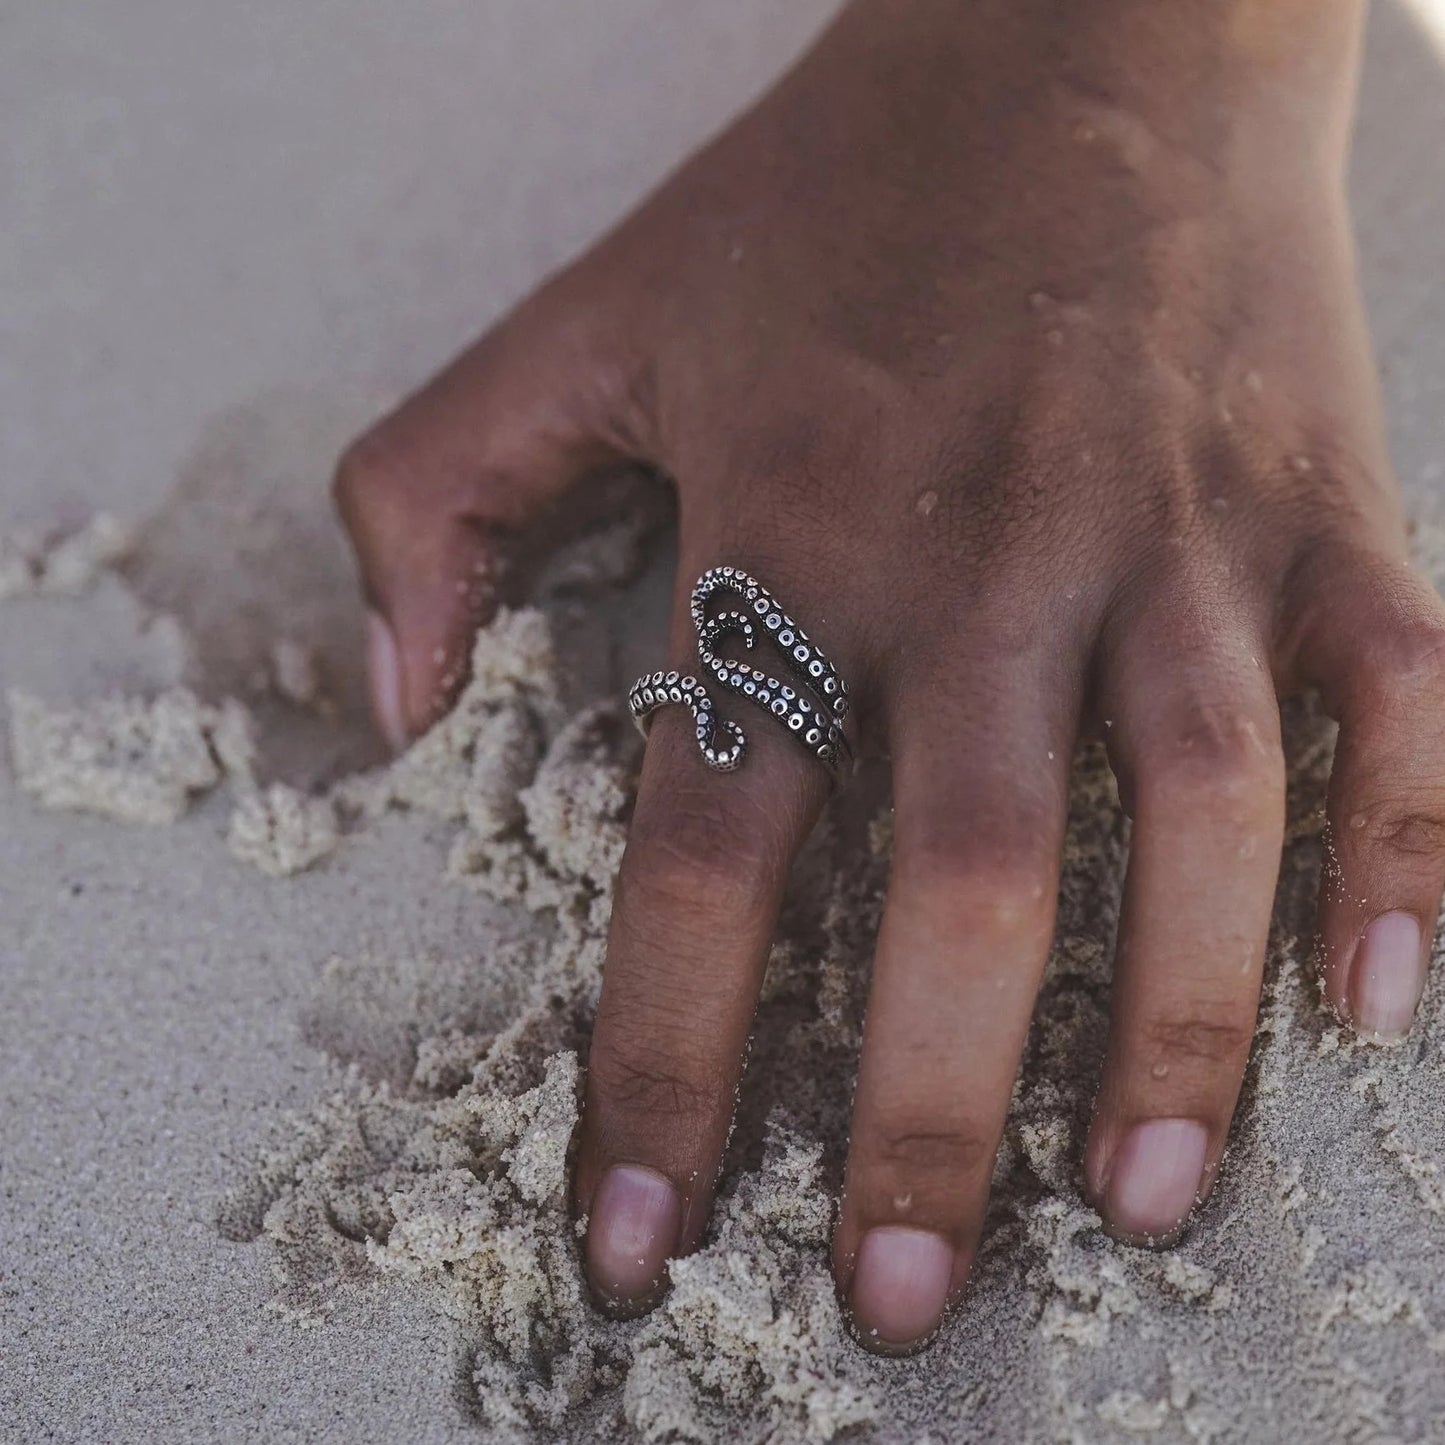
812	707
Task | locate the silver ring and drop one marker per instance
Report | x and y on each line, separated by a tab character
813	710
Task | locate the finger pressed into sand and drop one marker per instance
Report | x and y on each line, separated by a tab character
1196	743
966	930
693	919
1381	663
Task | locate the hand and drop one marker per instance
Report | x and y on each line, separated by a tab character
1016	348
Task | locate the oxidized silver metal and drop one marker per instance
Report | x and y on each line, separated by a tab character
812	709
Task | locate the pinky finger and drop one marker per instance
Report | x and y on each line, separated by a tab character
1383	673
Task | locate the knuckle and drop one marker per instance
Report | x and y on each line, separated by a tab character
1410	830
366	478
1005	882
910	1148
1217	756
1405	664
1220	1039
652	1086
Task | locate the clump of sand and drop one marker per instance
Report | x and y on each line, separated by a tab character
750	1342
146	760
295	674
64	564
465	1197
140	760
281	830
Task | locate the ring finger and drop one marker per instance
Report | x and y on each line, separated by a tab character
980	789
1196	744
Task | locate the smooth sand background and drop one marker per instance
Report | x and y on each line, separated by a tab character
226	235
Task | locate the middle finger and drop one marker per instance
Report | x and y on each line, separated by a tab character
980	790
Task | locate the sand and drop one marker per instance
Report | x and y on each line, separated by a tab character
290	1037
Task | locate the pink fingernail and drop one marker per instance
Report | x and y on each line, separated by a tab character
1387	977
385	676
900	1284
1156	1176
631	1232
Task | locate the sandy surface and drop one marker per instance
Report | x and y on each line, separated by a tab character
285	1079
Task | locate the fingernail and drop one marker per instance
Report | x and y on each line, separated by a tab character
385	675
900	1284
632	1231
1387	977
1156	1175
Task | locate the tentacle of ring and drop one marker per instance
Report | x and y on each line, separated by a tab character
814	710
660	688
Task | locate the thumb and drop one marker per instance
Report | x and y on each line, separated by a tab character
436	495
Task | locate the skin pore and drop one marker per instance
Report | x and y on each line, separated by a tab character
1016	347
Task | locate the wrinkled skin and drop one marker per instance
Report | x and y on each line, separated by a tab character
1016	347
